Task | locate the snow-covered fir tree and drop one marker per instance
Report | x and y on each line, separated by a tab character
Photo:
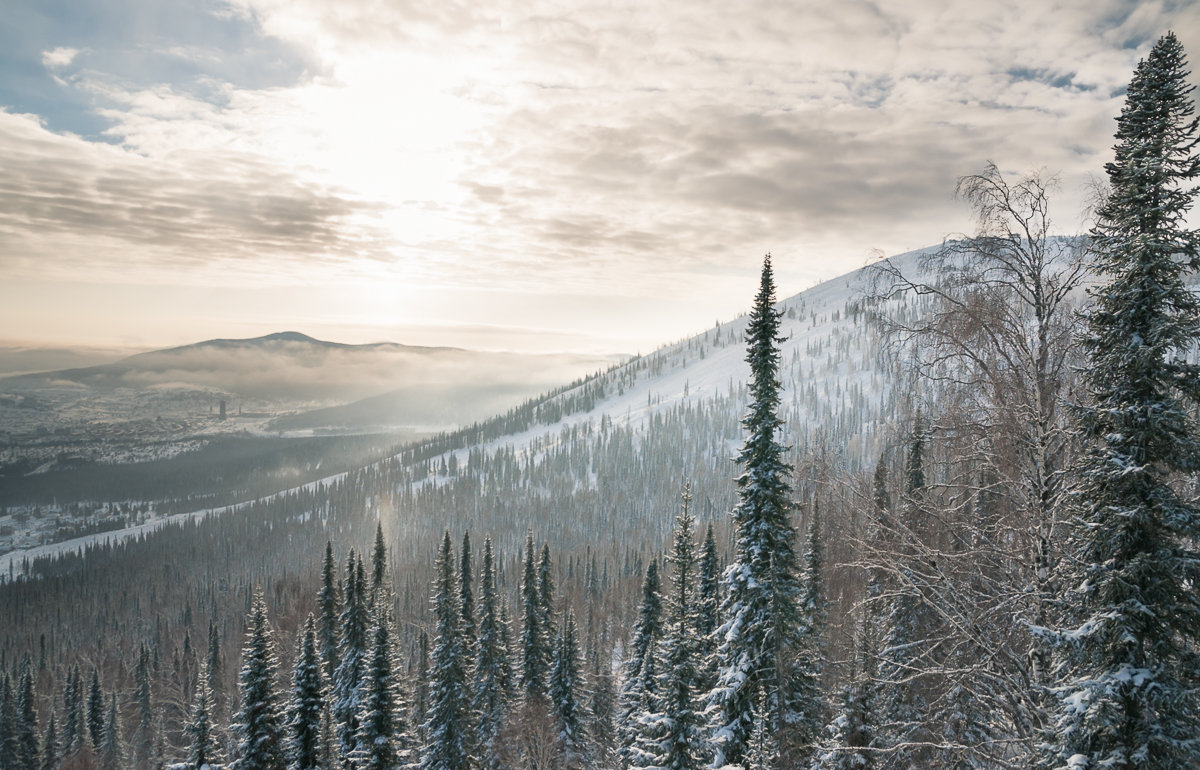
493	671
419	676
143	731
202	745
95	711
467	598
351	657
762	622
448	728
8	723
329	608
1129	673
566	696
26	726
535	647
383	742
73	722
51	746
545	590
675	725
378	561
258	726
112	748
637	683
307	709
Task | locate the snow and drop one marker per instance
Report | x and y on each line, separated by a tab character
828	350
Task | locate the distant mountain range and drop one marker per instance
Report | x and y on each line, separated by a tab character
286	374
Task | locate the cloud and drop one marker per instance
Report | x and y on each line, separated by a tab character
626	148
69	207
59	57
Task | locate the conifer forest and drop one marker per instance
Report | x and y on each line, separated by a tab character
940	513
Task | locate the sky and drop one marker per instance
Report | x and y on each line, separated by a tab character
543	175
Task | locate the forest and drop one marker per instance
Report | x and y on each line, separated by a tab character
961	531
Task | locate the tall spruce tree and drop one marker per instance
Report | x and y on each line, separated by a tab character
51	746
329	608
676	725
639	683
202	743
1129	672
73	722
467	597
351	657
307	710
545	585
95	711
566	696
448	728
378	560
535	652
383	741
26	723
493	672
761	609
143	732
112	747
259	725
9	751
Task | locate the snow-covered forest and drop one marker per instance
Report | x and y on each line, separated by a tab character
959	530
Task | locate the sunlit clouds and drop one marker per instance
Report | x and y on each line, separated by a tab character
638	156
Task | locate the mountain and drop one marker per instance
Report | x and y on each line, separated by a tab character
610	452
293	367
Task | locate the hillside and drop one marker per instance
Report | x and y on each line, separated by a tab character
679	405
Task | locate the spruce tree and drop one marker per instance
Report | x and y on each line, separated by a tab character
378	560
535	658
639	683
329	608
761	608
215	665
545	586
382	734
26	725
259	728
708	611
307	710
198	732
9	752
420	677
95	711
467	597
73	723
566	691
493	672
351	657
676	724
144	731
448	729
112	747
1129	672
52	753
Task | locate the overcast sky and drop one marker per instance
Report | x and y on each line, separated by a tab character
530	174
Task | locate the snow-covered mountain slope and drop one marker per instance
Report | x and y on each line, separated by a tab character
610	452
